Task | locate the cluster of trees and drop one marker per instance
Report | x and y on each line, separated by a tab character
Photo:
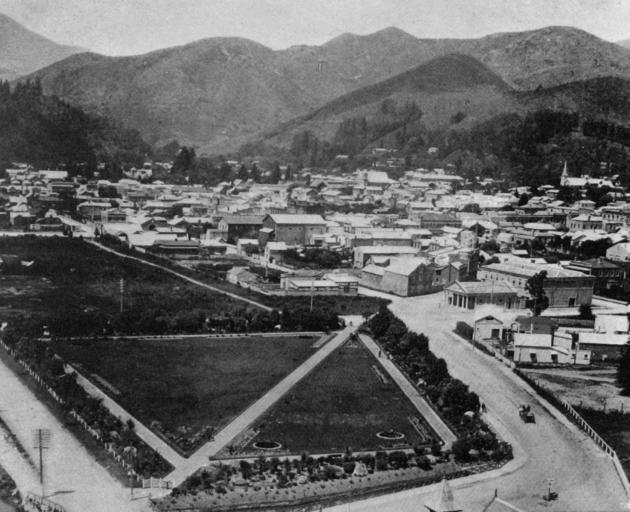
209	171
451	396
122	437
532	148
305	319
515	148
535	287
314	257
158	312
606	130
354	134
47	132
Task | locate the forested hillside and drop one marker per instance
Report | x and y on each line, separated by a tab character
47	132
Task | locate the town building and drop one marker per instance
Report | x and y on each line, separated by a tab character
234	227
291	229
470	294
563	288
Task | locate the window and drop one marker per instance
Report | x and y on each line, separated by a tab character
571	301
495	333
532	357
554	358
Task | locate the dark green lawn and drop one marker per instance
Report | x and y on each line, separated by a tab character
192	382
343	403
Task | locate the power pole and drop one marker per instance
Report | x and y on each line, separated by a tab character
122	293
41	438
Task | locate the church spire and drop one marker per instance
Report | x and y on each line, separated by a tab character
565	174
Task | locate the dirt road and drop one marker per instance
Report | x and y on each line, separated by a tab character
72	477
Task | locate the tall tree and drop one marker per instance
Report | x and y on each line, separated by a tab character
535	286
623	370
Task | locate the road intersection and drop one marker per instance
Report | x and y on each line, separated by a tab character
552	448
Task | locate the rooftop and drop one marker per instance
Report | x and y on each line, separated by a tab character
483	287
297	219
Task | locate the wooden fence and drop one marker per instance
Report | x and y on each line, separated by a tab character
156	483
566	408
75	415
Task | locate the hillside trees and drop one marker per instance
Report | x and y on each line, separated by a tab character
47	132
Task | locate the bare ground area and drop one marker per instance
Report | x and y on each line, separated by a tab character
592	388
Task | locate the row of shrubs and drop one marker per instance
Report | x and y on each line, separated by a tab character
451	397
331	467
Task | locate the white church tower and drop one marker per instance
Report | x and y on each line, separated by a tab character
565	175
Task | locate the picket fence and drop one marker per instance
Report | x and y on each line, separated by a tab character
581	422
567	409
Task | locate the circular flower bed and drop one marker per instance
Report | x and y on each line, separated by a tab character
390	435
267	445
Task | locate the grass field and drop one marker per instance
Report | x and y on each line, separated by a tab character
74	288
589	387
343	404
187	384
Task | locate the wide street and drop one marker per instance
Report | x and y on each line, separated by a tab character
551	448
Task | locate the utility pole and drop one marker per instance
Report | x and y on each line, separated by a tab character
312	292
122	293
41	441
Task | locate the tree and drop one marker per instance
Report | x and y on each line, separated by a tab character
535	286
586	312
523	199
623	370
242	173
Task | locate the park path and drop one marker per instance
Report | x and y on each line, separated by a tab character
143	432
427	412
180	275
72	477
250	415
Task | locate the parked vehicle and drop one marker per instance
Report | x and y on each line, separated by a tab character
524	411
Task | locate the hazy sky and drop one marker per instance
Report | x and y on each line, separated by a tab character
124	27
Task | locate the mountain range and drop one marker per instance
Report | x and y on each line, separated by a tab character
23	51
218	93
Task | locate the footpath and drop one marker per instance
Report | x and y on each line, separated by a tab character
427	412
250	415
181	276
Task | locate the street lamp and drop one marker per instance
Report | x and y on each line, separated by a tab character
130	474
